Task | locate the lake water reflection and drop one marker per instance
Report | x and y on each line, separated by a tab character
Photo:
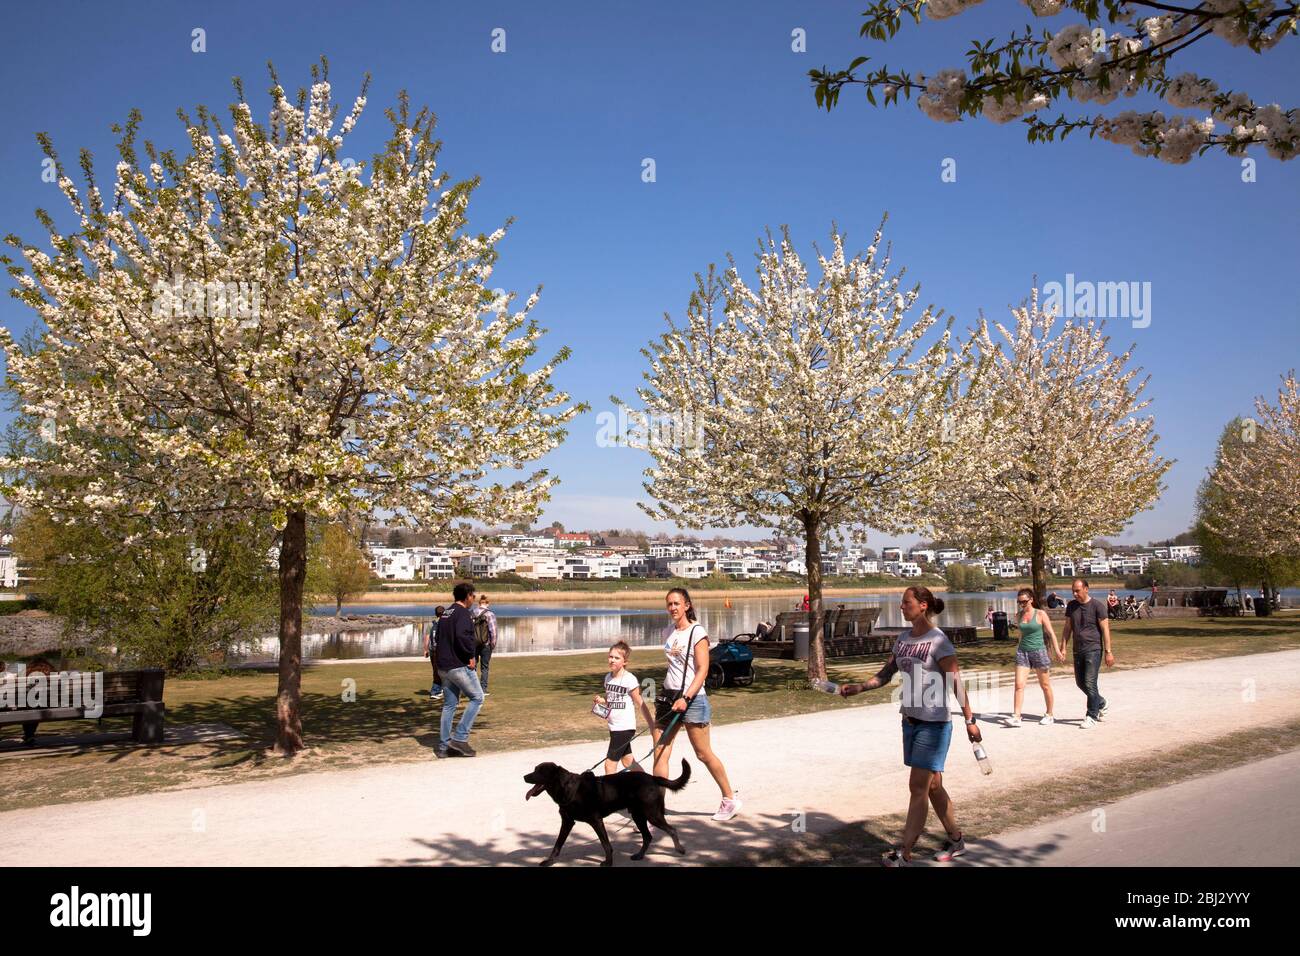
596	624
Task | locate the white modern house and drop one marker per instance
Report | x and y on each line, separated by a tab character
394	564
438	565
662	550
539	567
591	567
488	565
1094	566
744	568
636	565
688	568
1128	563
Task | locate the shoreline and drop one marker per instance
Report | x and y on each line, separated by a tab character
638	594
642	594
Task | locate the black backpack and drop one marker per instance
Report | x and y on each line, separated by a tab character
482	633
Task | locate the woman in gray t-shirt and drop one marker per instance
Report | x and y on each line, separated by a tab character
927	662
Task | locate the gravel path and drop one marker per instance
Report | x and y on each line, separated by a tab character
810	773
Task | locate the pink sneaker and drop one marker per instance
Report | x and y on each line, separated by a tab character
729	808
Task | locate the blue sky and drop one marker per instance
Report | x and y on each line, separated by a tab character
558	127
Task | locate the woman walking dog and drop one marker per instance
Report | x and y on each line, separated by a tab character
683	699
928	663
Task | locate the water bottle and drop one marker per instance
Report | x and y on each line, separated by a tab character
986	765
826	686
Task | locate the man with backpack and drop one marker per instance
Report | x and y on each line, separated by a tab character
485	637
431	651
457	652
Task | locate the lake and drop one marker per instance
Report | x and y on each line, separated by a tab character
597	623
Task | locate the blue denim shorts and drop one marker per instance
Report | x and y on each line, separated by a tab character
698	712
925	744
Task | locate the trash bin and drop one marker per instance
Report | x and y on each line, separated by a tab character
1001	631
800	633
1262	608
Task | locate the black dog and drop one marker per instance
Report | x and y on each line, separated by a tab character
590	799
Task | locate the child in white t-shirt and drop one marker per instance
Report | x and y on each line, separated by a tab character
620	702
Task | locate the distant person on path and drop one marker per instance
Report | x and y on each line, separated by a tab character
623	699
988	616
921	655
1053	601
484	613
1031	654
1085	620
431	652
456	651
1112	606
686	645
806	605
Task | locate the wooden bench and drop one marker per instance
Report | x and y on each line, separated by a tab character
138	694
850	632
850	622
850	627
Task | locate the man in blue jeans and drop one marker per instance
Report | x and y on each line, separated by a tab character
456	662
1086	620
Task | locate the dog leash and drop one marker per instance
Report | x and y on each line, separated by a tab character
629	743
676	716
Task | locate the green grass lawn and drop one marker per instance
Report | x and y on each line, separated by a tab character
536	702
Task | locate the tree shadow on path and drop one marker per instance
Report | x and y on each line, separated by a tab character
788	839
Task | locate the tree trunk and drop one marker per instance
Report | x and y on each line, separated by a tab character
813	565
293	572
1038	561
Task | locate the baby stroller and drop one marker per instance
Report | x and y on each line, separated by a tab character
731	662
